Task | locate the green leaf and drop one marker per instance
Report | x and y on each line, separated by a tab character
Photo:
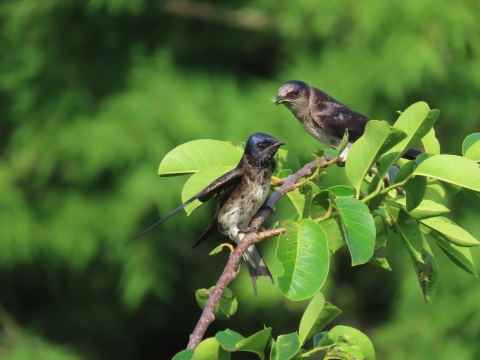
233	341
256	343
378	138
452	232
303	252
358	227
199	181
415	190
229	339
341	190
334	230
226	307
344	352
317	315
430	143
451	189
469	141
427	272
286	160
460	256
380	263
425	210
284	173
435	186
343	143
320	204
381	235
348	335
302	197
404	172
374	203
196	155
473	152
317	338
416	122
210	349
452	169
184	355
285	347
408	230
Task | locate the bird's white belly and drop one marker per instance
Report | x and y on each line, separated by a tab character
239	209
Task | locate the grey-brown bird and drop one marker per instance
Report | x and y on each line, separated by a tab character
324	117
242	191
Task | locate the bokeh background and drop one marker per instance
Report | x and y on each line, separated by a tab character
94	93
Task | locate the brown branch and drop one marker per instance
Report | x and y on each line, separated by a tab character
249	239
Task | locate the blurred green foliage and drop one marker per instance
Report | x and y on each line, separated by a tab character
94	93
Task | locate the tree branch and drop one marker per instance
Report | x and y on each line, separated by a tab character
249	239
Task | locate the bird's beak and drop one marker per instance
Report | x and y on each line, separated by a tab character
278	144
278	100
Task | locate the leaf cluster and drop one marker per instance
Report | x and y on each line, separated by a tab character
387	195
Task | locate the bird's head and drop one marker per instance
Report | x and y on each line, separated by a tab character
294	94
262	147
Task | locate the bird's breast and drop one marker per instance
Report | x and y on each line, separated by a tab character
319	133
245	200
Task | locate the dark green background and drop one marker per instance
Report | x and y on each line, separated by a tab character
94	93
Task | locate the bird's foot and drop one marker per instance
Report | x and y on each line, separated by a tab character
266	206
341	161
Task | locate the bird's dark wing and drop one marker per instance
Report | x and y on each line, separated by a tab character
334	117
211	190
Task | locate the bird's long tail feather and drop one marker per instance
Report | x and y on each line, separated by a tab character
256	266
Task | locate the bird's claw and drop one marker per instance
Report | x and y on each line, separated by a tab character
271	208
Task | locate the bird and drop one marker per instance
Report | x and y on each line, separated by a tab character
242	192
324	117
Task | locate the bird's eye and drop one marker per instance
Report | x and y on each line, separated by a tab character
261	146
296	92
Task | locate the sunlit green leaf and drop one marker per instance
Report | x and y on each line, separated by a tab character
255	343
430	143
286	160
341	190
380	263
452	169
378	138
303	252
461	256
350	336
196	155
469	141
210	349
184	355
416	122
451	231
285	347
302	197
226	307
233	341
473	152
317	315
425	210
358	227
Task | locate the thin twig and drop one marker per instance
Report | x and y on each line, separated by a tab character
249	239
